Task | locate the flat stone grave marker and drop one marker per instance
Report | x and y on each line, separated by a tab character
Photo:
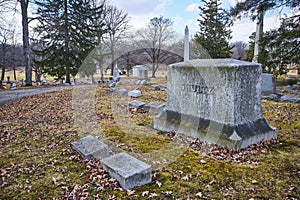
136	104
163	88
90	147
122	92
134	93
154	87
127	170
141	82
216	100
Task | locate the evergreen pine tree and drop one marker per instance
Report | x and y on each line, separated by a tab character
214	30
263	56
67	34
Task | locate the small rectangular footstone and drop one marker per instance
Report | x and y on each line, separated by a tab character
154	87
127	170
136	104
134	93
90	147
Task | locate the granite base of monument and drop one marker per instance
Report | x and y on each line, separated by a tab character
216	100
233	137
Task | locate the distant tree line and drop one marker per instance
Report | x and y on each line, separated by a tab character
69	32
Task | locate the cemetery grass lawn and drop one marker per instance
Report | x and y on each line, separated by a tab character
38	162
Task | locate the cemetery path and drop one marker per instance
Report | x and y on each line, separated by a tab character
10	95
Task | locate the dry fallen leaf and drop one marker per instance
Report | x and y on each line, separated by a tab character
130	192
199	194
54	181
158	183
167	192
185	178
145	193
152	195
202	161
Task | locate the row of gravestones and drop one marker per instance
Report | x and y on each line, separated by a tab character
269	92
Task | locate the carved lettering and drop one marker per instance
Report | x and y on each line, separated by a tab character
198	88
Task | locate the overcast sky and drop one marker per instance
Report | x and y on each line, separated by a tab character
186	12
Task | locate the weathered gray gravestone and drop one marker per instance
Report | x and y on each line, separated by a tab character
90	147
268	83
136	104
122	92
134	93
216	100
127	170
154	87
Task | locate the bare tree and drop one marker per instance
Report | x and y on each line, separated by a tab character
6	6
5	36
14	42
25	22
157	33
117	23
238	50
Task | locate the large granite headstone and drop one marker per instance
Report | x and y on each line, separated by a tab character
216	100
90	147
127	170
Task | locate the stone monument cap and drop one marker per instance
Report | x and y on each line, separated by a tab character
214	63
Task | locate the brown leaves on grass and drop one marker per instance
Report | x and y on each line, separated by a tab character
39	126
98	178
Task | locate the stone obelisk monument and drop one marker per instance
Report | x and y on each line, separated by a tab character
186	44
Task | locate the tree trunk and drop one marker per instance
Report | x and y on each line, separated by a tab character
3	62
14	61
102	74
3	73
112	60
67	40
15	75
258	36
28	70
153	70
